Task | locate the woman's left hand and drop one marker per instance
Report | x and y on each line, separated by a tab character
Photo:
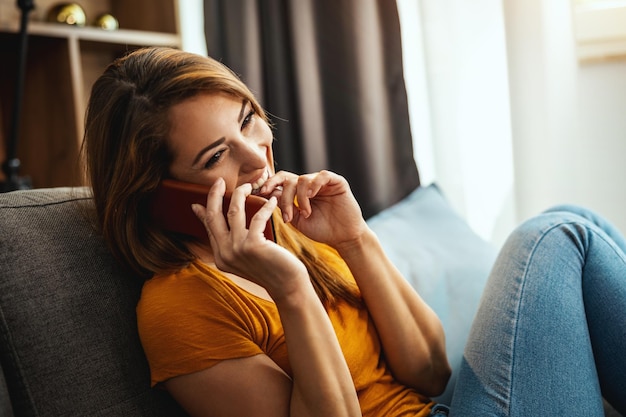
320	205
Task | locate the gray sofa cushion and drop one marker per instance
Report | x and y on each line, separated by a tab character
68	339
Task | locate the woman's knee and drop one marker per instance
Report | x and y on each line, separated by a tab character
550	234
590	219
558	217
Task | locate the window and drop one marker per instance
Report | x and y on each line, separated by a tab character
600	29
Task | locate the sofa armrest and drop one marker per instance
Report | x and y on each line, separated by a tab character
68	334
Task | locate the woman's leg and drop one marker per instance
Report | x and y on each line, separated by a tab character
612	378
551	328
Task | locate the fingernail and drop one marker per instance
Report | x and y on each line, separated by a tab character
196	209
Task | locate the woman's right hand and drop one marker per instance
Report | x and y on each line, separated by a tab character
245	251
320	384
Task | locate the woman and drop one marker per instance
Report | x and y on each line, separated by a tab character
244	326
318	323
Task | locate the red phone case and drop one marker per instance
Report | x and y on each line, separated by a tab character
170	208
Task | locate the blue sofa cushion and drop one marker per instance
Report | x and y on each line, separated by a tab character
442	258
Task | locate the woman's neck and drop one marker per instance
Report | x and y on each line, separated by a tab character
204	254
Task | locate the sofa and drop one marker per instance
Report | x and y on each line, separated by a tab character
68	339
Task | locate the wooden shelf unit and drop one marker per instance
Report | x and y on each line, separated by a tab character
62	63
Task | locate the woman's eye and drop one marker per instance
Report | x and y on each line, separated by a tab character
247	119
213	159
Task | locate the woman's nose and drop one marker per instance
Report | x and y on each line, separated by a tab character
253	153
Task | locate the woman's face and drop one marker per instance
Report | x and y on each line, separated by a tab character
217	135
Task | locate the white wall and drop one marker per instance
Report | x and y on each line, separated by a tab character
456	75
504	116
568	119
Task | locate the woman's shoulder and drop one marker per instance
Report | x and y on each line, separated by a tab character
190	280
190	288
194	274
201	291
191	319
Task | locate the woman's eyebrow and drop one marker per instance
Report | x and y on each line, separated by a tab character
206	149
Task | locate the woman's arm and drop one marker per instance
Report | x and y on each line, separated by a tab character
411	334
321	383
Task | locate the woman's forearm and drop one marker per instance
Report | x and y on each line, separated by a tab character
411	333
322	384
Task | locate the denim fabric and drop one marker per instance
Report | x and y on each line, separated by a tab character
550	333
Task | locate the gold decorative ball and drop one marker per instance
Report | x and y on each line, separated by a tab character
106	21
67	13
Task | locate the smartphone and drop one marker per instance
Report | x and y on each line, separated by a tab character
170	208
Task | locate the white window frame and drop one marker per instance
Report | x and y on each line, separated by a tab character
600	29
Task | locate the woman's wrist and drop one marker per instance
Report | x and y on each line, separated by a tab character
358	246
292	293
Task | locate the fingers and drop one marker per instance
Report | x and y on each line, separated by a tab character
295	192
260	219
230	224
236	213
292	192
211	215
309	186
287	197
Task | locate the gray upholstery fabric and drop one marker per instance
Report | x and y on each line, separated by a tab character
68	339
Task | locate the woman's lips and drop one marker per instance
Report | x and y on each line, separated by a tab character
256	186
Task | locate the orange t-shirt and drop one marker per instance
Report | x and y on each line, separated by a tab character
191	320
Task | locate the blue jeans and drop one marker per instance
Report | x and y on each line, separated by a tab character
549	338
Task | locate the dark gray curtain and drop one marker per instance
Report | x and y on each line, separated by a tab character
329	72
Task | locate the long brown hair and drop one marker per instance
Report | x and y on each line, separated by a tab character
127	156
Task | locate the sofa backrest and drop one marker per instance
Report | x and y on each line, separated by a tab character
68	338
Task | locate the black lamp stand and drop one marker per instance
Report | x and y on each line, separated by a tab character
11	166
